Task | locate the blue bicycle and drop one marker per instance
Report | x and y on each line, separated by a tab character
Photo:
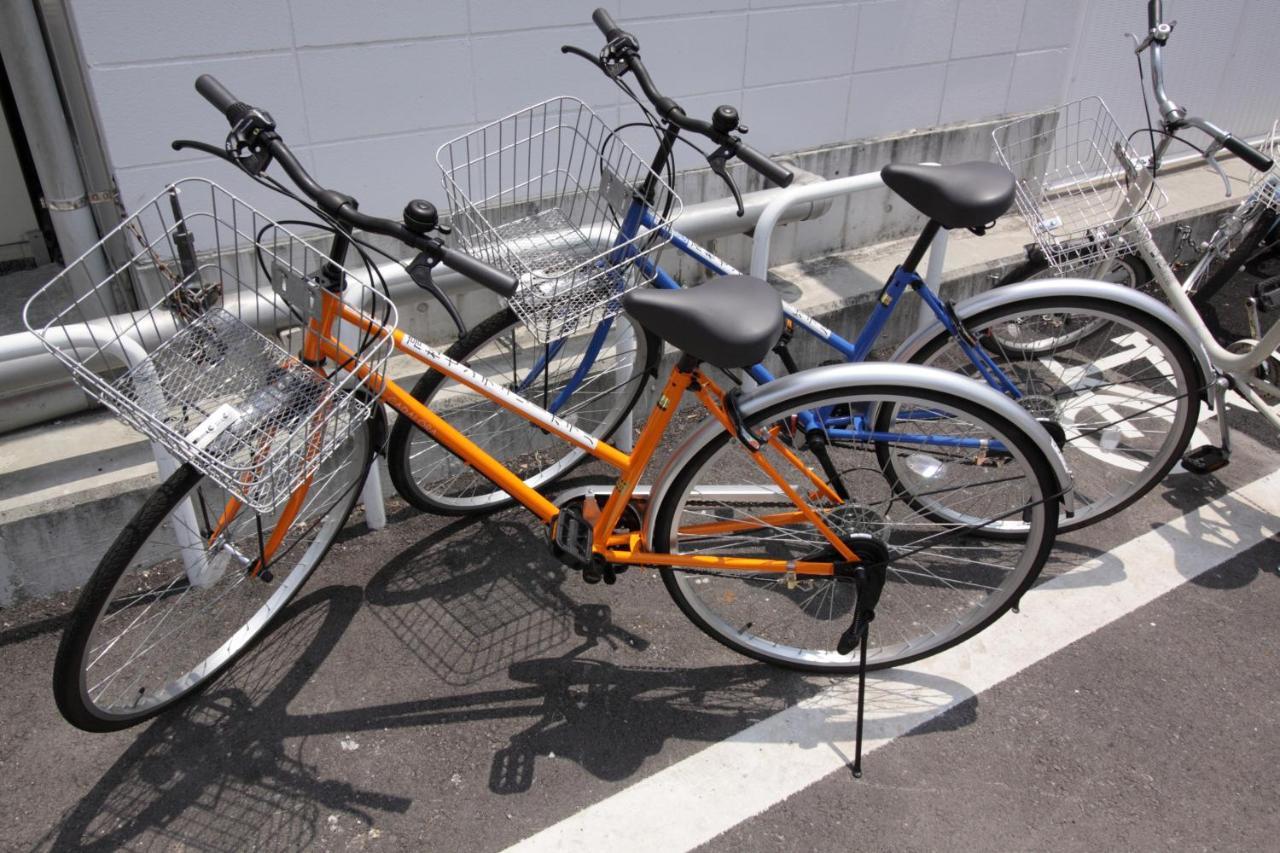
1111	374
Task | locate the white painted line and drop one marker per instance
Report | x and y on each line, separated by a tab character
698	798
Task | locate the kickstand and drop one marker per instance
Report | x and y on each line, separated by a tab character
869	577
862	698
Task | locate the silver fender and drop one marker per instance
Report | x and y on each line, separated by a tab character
838	376
1116	293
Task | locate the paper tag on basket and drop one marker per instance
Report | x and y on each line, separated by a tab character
213	426
1050	224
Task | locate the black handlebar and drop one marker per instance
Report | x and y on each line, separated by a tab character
338	205
606	24
628	53
217	94
1247	153
776	172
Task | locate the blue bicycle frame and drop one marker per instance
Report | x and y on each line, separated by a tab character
849	426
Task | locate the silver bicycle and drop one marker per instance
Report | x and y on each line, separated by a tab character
1091	201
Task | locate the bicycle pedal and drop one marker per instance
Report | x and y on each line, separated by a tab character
571	540
1206	459
1267	292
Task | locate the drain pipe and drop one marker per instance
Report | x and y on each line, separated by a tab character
48	135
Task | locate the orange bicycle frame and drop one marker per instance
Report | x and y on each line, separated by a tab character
626	548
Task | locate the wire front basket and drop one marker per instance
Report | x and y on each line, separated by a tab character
545	194
1073	188
203	366
1265	186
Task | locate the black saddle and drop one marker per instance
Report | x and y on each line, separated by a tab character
966	195
731	321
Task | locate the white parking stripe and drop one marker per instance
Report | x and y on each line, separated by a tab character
708	793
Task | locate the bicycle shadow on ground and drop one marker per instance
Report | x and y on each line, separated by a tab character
468	610
216	774
611	719
231	770
1075	566
1217	529
477	595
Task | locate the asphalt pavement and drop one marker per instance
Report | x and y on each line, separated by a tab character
445	685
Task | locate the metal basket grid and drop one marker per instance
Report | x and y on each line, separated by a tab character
1072	184
1264	187
201	367
543	194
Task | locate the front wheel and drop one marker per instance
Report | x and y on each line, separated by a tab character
947	579
592	381
1244	247
176	598
1122	401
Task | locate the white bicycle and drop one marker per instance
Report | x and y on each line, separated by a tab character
1090	201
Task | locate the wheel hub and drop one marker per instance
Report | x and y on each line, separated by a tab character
1045	411
1039	406
861	529
851	520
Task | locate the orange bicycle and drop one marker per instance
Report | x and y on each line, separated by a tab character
773	540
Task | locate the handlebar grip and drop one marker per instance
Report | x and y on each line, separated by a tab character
772	171
502	283
1155	13
1247	153
216	94
606	24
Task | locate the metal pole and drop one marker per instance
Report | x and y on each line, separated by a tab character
785	204
49	137
375	510
933	271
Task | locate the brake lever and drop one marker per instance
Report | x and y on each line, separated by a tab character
1212	160
204	147
587	55
420	269
719	161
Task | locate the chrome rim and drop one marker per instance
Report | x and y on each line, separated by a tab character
945	580
1119	395
182	608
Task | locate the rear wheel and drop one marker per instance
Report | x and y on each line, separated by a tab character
1122	401
591	380
947	579
173	601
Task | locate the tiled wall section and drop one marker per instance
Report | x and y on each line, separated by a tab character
367	91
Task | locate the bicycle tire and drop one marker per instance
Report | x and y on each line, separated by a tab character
138	548
925	606
414	458
1126	270
1079	366
1221	272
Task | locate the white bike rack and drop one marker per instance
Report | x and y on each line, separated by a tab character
771	218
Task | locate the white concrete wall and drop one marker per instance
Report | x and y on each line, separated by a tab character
366	91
